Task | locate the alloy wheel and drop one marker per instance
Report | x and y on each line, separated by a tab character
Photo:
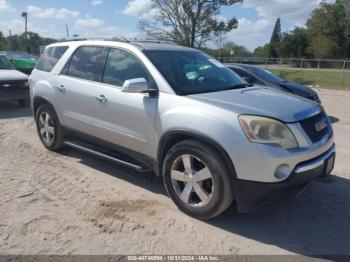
192	180
46	128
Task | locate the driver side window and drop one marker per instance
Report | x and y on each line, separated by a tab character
121	66
244	74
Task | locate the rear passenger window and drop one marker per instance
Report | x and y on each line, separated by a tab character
86	63
122	65
50	58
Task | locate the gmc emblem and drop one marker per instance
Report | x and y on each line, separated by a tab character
320	125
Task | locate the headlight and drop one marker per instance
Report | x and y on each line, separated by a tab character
265	130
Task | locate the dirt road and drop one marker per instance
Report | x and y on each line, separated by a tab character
73	203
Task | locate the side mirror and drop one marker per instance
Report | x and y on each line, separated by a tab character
137	85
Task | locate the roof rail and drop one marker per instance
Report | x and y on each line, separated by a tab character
154	41
72	39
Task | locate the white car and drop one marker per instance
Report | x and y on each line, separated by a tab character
13	83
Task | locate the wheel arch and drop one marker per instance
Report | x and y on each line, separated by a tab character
173	137
38	101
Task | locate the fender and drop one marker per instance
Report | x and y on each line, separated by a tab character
176	135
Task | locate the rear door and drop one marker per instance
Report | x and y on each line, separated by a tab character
125	119
76	85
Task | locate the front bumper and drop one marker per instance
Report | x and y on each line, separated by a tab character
253	196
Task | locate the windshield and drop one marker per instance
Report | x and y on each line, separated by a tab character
266	75
19	55
5	63
192	72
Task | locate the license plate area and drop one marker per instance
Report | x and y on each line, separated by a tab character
329	164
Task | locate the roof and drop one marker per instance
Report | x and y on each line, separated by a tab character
243	65
142	45
159	45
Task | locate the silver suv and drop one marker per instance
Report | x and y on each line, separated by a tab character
175	111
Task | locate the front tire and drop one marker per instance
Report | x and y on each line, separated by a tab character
197	180
49	128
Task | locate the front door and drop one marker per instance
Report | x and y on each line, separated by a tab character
126	119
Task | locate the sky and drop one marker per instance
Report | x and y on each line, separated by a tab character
108	18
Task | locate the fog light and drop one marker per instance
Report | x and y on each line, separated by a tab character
282	171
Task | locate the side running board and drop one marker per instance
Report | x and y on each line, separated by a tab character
107	155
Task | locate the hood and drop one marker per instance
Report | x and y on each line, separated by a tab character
299	89
262	102
10	75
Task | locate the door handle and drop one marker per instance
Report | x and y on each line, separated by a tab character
61	88
101	98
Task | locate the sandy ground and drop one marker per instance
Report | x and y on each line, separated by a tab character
73	203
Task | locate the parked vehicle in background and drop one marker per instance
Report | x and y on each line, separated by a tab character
13	84
255	75
174	110
22	61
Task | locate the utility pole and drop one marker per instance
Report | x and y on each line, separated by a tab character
67	30
25	16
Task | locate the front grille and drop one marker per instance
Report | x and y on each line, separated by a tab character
309	126
12	84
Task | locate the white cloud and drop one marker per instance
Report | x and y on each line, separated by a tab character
5	6
87	22
294	11
251	33
17	27
93	27
257	33
96	2
62	13
137	7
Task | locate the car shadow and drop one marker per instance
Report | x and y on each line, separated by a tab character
334	119
148	180
13	110
314	224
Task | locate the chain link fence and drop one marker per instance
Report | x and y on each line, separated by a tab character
314	72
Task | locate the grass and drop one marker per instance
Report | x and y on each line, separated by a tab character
330	78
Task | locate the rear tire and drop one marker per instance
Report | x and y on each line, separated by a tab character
49	128
197	180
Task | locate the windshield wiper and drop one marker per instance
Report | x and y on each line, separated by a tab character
238	86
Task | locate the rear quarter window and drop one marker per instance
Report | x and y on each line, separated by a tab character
50	57
86	63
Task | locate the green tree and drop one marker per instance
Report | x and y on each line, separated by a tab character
231	49
346	4
262	51
295	43
276	39
188	22
321	46
35	41
2	41
329	22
